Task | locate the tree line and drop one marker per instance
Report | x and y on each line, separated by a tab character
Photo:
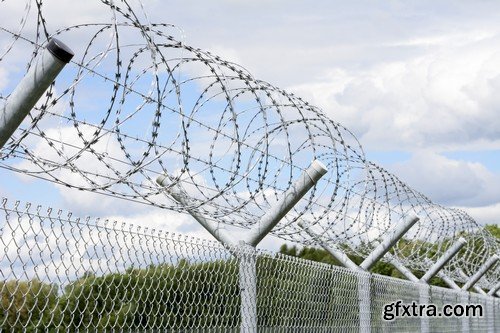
186	295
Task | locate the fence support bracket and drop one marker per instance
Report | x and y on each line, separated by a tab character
443	260
47	65
482	270
247	262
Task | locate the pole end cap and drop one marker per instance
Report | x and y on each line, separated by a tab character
319	167
60	50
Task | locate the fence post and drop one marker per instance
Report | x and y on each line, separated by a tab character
364	295
248	287
443	260
388	242
481	271
494	289
246	248
491	315
465	319
47	65
364	277
424	298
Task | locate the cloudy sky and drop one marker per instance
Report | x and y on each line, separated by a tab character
416	81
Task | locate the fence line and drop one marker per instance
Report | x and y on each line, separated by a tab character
184	130
160	107
60	272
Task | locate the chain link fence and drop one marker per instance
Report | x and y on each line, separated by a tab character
64	273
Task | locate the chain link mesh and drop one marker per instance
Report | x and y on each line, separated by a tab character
60	273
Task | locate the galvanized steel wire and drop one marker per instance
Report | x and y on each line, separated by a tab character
138	102
60	272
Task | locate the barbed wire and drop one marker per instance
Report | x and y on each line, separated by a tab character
138	102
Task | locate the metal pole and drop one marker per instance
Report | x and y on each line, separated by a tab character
39	77
246	253
465	319
364	295
248	288
476	288
494	289
364	280
448	281
491	315
401	268
211	226
305	182
424	298
334	252
482	270
444	259
388	242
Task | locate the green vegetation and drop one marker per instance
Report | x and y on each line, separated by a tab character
164	296
193	295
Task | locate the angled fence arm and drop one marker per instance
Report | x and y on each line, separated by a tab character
388	242
494	289
247	261
466	277
448	281
334	252
482	270
267	222
211	226
47	65
401	268
364	279
443	260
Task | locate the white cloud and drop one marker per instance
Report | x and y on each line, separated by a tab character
449	182
489	214
443	99
4	79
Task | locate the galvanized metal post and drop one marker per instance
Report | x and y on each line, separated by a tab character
465	319
364	279
334	252
491	315
364	283
46	66
248	288
443	260
482	270
494	289
364	296
305	182
466	277
248	275
388	242
246	253
424	298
